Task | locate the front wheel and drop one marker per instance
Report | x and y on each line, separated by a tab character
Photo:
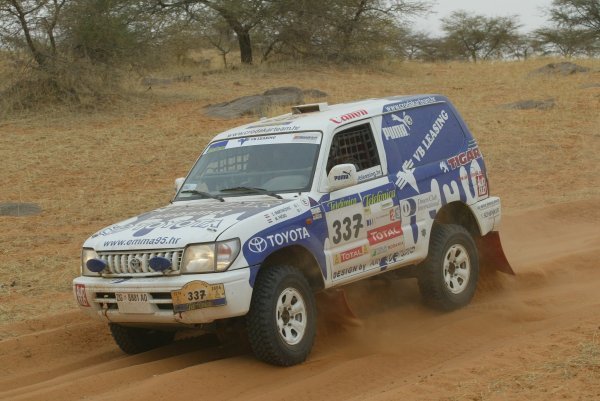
133	340
448	277
282	318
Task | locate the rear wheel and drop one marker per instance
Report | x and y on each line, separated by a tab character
282	318
448	277
133	340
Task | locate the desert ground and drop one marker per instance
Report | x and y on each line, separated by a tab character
533	336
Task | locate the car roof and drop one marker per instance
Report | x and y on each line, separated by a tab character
328	117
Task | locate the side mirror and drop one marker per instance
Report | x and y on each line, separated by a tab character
342	176
178	183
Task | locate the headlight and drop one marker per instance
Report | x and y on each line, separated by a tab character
87	254
209	258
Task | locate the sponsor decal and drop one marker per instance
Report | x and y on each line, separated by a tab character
482	187
143	241
380	196
409	104
386	249
260	244
345	176
407	175
369	173
384	233
408	207
489	209
350	254
242	141
263	130
178	217
349	116
398	127
279	214
397	256
491	213
486	205
411	206
306	138
341	203
348	271
81	295
428	202
395	213
217	146
463	158
316	213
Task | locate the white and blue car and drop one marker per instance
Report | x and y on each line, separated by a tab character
275	211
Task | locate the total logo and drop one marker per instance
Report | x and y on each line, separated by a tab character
260	244
350	254
384	233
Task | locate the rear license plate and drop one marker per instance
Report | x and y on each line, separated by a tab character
134	302
197	295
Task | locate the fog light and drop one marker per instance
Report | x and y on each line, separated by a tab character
95	265
159	264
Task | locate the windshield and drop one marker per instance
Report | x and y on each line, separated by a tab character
272	163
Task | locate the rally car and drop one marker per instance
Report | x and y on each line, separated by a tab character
275	211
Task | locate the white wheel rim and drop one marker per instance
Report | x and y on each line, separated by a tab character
457	269
291	316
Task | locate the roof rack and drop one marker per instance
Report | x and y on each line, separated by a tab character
309	108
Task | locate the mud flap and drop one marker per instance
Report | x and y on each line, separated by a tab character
334	304
491	254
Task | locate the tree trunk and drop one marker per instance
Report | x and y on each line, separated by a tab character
245	46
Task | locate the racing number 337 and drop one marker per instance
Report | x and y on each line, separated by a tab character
347	228
197	295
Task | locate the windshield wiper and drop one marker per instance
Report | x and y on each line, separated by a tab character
252	189
204	194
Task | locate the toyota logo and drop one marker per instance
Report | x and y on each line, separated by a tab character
135	264
257	244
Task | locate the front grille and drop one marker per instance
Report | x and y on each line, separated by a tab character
135	263
162	300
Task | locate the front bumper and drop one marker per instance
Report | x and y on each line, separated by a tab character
98	297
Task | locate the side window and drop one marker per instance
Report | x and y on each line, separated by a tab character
356	146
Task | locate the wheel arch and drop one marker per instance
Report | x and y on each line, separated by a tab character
302	259
459	213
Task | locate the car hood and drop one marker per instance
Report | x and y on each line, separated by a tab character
177	225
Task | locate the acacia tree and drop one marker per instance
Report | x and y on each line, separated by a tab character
241	16
341	30
301	26
31	23
567	42
479	37
583	14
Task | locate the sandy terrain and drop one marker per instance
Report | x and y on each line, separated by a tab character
533	336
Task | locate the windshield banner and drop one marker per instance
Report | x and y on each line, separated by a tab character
299	137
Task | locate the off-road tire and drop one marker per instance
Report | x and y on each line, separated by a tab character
263	321
441	287
134	340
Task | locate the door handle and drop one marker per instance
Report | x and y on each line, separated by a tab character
387	204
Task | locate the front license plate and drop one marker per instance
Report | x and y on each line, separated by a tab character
134	302
197	295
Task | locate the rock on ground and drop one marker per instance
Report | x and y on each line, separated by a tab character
530	104
19	209
258	104
564	68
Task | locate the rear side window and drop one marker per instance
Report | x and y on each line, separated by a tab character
356	146
421	136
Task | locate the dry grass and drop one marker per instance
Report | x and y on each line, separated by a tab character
91	169
566	367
